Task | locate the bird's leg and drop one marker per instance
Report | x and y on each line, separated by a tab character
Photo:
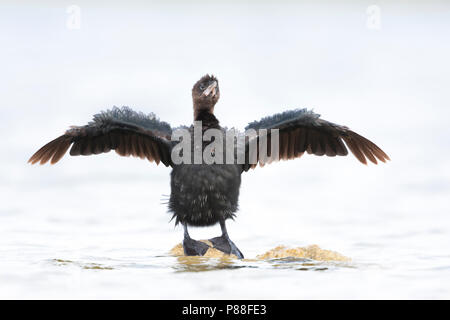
224	243
193	247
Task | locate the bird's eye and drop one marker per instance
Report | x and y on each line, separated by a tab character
202	87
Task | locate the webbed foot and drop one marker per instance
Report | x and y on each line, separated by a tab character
193	247
227	246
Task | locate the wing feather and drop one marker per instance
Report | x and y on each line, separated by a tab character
354	148
123	130
302	131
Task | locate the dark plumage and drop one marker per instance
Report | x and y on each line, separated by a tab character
203	194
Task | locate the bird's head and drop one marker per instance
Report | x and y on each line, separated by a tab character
205	94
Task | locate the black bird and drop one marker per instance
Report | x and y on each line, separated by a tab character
203	194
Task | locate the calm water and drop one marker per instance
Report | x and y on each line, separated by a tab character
96	227
101	233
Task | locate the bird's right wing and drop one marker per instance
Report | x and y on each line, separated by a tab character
302	130
121	129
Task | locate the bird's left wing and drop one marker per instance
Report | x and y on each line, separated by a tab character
121	129
302	130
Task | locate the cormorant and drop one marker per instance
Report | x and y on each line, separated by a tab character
205	193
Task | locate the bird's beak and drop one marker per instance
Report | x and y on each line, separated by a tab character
211	88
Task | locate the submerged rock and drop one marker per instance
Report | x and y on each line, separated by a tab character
313	252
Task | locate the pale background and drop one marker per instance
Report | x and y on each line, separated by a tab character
387	79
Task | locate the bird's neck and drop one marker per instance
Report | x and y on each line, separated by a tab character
207	117
201	108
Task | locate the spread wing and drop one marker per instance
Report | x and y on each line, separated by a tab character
121	129
302	130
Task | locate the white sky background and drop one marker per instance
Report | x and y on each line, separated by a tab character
391	85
